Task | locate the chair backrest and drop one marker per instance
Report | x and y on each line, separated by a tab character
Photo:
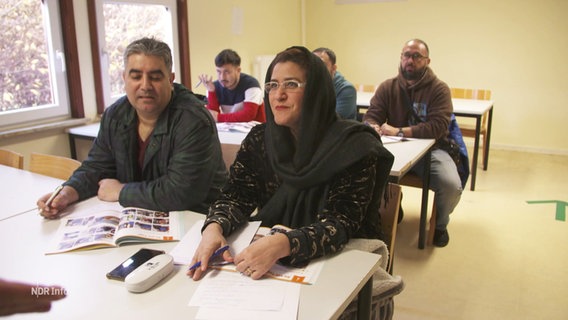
475	94
389	218
11	158
53	166
365	87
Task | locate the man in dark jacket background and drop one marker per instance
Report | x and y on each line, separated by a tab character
157	147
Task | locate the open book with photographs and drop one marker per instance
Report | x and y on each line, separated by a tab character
238	241
112	228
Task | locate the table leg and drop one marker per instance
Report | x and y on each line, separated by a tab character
488	139
475	152
72	146
364	301
424	205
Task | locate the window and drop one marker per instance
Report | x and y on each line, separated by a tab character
33	84
119	22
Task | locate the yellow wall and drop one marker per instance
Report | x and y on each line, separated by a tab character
515	48
267	28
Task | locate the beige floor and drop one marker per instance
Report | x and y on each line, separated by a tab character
506	259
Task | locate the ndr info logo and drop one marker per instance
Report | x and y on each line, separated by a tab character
47	291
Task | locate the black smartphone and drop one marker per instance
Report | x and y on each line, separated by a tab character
136	260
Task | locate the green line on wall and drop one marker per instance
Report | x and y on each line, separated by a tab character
560	208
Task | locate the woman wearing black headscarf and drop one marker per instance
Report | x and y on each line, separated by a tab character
305	168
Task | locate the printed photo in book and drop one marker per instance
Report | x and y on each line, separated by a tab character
114	228
306	274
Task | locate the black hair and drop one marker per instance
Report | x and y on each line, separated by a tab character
227	56
329	53
422	42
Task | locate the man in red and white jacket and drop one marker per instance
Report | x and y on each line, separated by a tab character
235	96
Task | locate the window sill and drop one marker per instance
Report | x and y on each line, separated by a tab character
42	127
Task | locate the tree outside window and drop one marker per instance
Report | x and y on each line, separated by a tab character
25	79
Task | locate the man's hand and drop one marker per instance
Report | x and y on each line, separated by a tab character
388	130
214	114
66	196
376	127
19	298
109	190
207	82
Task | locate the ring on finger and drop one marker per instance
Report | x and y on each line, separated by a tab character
248	271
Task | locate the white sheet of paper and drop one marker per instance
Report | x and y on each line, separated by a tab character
392	139
184	250
230	295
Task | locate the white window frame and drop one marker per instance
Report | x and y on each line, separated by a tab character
56	56
104	64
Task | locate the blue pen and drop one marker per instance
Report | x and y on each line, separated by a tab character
215	254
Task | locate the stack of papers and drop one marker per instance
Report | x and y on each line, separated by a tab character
392	139
236	126
183	253
226	294
230	295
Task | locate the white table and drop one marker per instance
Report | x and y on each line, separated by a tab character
462	108
90	295
476	109
230	141
87	132
20	190
406	155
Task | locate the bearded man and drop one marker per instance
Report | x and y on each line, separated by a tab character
416	104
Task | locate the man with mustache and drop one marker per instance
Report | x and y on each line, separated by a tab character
235	96
416	104
157	147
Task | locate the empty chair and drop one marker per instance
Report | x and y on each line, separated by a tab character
389	218
11	159
365	87
53	166
365	90
468	130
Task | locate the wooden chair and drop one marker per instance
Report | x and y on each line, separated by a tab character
53	166
468	130
389	218
413	180
11	158
371	88
365	87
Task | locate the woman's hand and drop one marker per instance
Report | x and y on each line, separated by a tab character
262	254
211	240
